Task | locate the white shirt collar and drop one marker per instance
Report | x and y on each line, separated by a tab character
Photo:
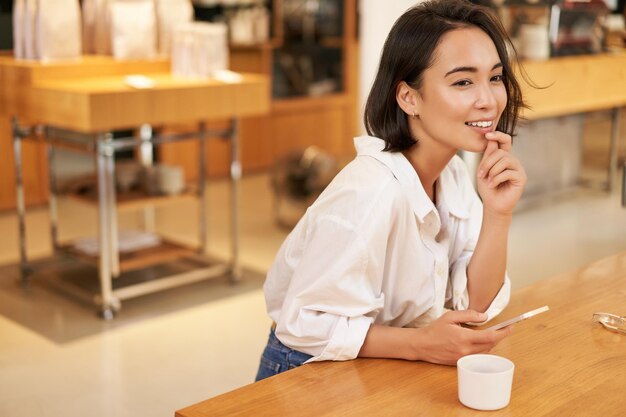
404	172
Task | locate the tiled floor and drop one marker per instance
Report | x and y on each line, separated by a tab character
171	349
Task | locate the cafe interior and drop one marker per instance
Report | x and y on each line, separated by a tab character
155	154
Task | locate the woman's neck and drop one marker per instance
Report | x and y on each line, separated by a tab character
428	160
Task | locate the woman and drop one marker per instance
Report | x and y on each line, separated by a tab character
399	251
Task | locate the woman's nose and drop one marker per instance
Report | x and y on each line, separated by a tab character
486	98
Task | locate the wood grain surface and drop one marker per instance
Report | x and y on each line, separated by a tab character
566	365
574	84
90	94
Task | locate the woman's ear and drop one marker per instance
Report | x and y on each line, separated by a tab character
408	99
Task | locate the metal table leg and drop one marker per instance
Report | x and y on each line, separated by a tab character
202	197
52	197
624	184
21	205
112	204
235	176
146	156
104	159
613	151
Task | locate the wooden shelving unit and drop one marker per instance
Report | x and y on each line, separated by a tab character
294	123
78	104
166	251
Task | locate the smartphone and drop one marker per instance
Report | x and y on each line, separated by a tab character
519	318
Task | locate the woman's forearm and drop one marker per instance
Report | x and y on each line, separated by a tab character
487	268
443	341
389	342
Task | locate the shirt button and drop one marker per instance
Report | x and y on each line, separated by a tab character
441	270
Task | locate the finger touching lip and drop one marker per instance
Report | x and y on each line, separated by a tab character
504	140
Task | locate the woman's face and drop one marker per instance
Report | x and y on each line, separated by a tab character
462	94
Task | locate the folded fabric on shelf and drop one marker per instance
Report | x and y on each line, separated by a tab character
128	241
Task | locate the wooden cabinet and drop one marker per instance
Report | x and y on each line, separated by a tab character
35	177
35	180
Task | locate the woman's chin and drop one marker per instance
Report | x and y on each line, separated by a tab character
477	147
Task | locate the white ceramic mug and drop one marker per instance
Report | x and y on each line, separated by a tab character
485	381
170	179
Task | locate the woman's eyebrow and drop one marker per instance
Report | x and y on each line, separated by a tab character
470	69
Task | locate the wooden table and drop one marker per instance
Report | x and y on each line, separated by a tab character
574	84
77	104
565	365
16	93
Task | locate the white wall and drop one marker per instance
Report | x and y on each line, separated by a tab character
377	18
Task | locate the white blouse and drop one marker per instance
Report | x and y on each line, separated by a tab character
373	248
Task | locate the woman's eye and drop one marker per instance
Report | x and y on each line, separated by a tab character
497	78
462	83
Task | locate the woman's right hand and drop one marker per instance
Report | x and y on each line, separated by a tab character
444	341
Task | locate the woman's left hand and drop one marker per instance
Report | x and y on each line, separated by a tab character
501	177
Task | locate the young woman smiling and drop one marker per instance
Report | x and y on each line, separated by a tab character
399	250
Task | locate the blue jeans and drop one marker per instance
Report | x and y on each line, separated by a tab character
277	358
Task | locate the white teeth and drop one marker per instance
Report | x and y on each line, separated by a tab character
480	124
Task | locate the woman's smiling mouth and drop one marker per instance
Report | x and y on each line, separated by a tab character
480	124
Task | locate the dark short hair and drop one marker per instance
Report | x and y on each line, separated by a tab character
408	52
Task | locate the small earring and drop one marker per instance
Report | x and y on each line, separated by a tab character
414	115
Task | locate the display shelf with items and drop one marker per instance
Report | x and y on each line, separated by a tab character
310	59
115	251
250	22
547	28
162	252
313	88
310	56
136	186
131	186
76	106
134	200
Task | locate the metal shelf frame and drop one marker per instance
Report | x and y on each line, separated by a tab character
102	146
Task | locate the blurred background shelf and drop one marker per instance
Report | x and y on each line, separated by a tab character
310	56
166	251
136	200
300	116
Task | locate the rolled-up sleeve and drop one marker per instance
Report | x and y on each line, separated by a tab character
333	297
460	295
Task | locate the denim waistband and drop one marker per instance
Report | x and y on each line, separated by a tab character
275	343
